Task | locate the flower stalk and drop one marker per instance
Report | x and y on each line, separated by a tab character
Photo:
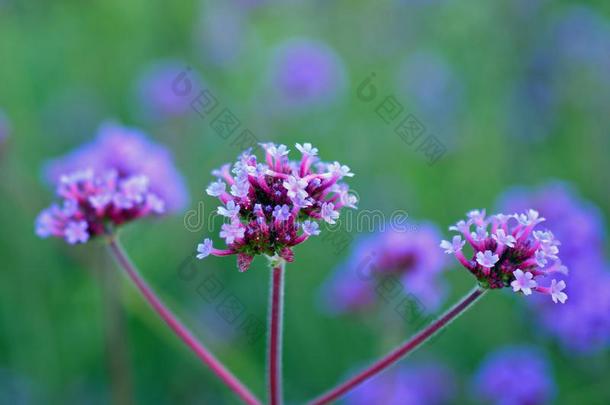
177	327
274	340
403	350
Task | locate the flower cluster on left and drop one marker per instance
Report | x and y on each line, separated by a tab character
92	201
117	178
102	188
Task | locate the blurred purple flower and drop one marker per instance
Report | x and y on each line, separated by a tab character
515	376
16	389
574	47
429	384
576	222
582	39
412	258
435	90
5	128
305	72
130	152
155	91
533	101
583	323
221	32
581	35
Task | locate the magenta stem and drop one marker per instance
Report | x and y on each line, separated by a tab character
401	351
274	341
179	329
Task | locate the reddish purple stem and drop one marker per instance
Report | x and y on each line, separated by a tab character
179	329
404	349
274	341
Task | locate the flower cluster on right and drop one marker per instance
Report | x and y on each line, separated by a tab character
582	325
509	252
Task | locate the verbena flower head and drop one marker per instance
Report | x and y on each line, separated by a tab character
129	152
389	264
274	205
93	202
582	325
515	376
508	251
115	179
427	383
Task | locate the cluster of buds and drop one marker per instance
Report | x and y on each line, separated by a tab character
92	202
509	252
274	206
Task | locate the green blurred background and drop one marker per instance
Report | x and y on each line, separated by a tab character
65	66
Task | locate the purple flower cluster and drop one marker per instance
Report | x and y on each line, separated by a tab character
129	152
267	204
411	257
91	202
583	324
508	251
428	383
515	376
117	178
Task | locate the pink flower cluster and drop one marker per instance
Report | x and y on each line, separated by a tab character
92	202
509	252
130	152
274	206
